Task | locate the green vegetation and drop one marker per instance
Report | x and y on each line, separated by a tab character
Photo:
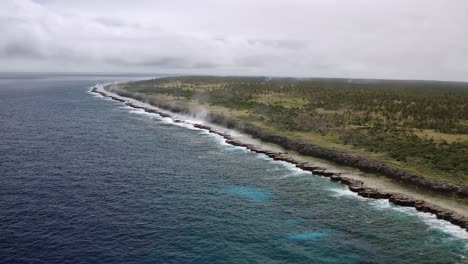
418	125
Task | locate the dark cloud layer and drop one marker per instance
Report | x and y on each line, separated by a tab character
416	39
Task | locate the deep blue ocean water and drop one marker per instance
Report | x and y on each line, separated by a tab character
84	179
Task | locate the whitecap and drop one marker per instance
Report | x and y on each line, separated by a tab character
234	148
434	223
126	107
185	125
293	168
285	164
167	120
345	192
141	112
215	137
262	156
291	175
95	94
427	218
380	203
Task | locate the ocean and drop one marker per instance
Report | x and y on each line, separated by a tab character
84	179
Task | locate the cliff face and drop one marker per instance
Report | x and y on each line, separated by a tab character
341	157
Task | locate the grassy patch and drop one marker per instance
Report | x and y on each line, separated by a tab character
418	126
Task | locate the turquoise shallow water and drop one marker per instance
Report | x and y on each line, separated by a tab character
84	179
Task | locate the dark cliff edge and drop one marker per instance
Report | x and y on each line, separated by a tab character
340	157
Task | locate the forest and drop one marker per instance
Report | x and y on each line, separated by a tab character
418	125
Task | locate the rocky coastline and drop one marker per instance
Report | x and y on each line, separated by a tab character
349	159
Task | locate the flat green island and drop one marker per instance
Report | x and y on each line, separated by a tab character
413	131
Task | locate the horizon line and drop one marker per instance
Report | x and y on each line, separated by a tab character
154	74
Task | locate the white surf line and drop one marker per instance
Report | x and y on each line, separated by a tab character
428	218
338	192
184	121
346	193
191	121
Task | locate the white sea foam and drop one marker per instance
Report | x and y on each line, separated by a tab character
262	156
137	111
141	112
185	125
285	164
380	203
101	97
95	94
432	221
345	192
234	148
289	166
291	175
219	139
280	162
126	107
292	167
167	120
171	121
429	219
98	95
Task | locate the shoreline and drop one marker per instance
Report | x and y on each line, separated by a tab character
355	185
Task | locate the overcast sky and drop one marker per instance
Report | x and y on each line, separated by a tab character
403	39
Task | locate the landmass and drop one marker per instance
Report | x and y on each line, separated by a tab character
414	132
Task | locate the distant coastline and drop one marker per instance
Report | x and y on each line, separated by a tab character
355	185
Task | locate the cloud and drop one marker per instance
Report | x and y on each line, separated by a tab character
339	38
